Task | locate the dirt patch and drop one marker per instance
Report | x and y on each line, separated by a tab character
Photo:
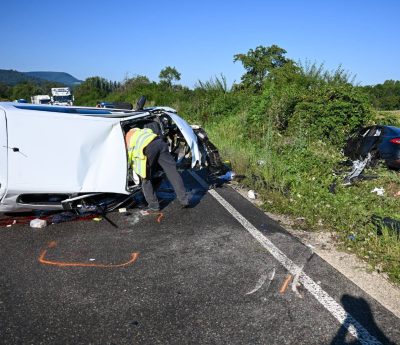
325	245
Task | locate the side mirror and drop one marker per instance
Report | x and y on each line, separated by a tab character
140	103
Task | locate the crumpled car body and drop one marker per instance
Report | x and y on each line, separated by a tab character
380	141
55	158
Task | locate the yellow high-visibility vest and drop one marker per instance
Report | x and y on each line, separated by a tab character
137	143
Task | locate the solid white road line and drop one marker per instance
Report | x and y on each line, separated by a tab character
337	311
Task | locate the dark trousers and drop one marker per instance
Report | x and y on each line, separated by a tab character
157	153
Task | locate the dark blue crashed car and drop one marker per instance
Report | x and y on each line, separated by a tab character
378	141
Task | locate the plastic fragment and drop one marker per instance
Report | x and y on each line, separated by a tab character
122	210
251	194
351	237
37	223
63	217
97	219
228	176
379	191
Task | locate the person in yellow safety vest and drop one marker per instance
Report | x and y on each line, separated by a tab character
145	151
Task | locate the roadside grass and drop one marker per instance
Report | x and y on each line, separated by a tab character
388	117
296	177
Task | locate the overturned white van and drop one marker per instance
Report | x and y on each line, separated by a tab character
54	158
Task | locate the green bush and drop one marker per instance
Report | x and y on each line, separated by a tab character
330	112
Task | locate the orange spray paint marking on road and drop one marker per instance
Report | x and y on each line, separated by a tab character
285	284
160	215
53	244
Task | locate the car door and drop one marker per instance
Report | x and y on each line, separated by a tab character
370	140
3	154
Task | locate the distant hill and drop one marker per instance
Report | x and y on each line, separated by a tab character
12	77
58	77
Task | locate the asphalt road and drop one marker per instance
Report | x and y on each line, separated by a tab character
221	272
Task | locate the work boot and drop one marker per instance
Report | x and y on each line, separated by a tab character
185	201
153	206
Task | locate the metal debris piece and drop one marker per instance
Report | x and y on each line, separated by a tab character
358	167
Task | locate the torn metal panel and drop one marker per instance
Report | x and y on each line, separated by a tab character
358	167
190	137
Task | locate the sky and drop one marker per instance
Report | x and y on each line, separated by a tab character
118	39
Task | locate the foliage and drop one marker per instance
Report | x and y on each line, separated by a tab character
259	62
168	74
25	90
5	92
385	96
93	90
330	113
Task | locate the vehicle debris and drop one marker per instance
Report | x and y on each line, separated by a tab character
38	223
228	176
358	167
392	225
63	217
251	194
379	191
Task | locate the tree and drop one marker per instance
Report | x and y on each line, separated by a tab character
259	63
5	92
25	90
168	74
92	90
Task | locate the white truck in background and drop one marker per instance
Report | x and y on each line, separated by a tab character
41	99
61	96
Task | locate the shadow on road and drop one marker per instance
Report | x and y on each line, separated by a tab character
359	310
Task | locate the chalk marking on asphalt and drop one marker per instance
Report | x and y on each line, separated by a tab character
270	275
53	244
345	319
295	282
